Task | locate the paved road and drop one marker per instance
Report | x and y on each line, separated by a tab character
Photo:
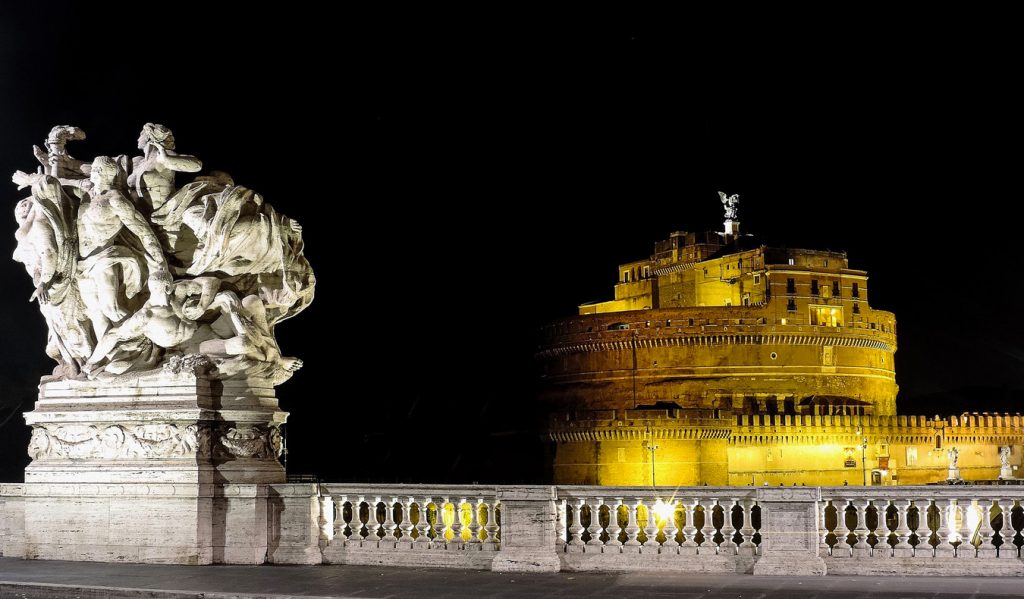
20	578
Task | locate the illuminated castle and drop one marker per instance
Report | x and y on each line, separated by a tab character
724	361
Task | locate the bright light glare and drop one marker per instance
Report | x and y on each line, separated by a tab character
664	511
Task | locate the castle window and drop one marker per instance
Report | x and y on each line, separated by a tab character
855	292
625	276
647	272
790	285
757	279
938	442
826	316
792	261
856	308
691	322
835	289
814	286
791	305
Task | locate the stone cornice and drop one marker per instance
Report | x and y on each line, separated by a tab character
716	340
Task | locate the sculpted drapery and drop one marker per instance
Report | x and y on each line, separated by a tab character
132	273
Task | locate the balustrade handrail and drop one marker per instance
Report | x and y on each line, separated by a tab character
665	493
418	490
924	492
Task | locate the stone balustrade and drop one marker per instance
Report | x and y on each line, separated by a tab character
708	529
930	529
410	525
922	530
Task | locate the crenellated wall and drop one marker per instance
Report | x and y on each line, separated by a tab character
605	447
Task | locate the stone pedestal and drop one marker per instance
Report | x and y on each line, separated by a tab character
164	468
789	519
953	474
527	530
1006	473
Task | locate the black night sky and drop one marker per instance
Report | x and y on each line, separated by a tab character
461	184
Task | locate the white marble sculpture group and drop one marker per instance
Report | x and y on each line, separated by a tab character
134	274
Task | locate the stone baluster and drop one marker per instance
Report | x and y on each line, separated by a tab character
1007	549
439	526
457	541
613	526
632	529
966	548
576	543
595	528
339	519
882	548
708	547
861	549
372	524
406	526
903	548
561	524
924	532
986	549
423	524
671	545
491	528
651	530
944	548
390	526
474	523
326	520
689	546
748	547
728	546
842	531
355	524
825	550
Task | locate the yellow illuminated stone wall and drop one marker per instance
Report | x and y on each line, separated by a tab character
605	448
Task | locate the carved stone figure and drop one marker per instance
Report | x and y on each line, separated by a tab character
954	457
152	177
55	160
1004	457
730	203
133	274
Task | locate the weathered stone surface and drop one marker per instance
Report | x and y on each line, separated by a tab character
527	530
791	514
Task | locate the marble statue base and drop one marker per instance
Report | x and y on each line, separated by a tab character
953	474
165	468
1006	473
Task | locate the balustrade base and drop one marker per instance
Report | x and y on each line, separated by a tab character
621	562
780	564
526	559
936	566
